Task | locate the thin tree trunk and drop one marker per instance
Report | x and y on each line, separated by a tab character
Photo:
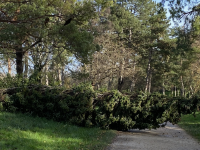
60	76
63	76
148	78
110	83
9	66
120	83
133	78
46	75
54	73
175	90
149	88
19	60
98	74
192	91
121	74
182	85
26	65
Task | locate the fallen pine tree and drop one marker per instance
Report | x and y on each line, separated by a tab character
111	110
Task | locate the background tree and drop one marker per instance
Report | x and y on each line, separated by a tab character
28	25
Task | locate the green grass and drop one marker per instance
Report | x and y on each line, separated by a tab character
191	125
22	132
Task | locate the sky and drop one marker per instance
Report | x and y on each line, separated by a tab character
186	9
180	22
168	14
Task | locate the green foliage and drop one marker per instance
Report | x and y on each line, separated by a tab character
9	81
114	112
111	110
74	106
141	111
16	81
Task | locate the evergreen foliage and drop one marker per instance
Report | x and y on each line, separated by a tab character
109	110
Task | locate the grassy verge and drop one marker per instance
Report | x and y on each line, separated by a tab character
18	131
191	125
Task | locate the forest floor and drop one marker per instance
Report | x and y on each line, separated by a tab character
171	137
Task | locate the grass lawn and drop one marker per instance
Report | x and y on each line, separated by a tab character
22	132
191	125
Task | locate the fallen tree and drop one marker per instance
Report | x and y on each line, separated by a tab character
111	110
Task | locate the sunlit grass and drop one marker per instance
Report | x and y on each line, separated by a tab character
191	125
18	131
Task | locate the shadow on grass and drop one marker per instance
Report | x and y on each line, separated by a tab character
19	131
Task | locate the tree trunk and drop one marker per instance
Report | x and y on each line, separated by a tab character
149	88
59	76
148	78
26	65
133	78
120	83
175	90
9	66
63	76
19	60
182	86
98	74
192	91
110	83
121	74
46	75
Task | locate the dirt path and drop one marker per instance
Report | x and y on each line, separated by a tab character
169	138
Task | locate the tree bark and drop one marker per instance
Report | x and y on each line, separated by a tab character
133	78
192	91
120	83
148	78
59	76
46	75
98	73
19	60
175	90
9	66
121	73
26	65
63	76
182	85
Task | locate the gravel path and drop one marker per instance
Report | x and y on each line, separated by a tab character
170	137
